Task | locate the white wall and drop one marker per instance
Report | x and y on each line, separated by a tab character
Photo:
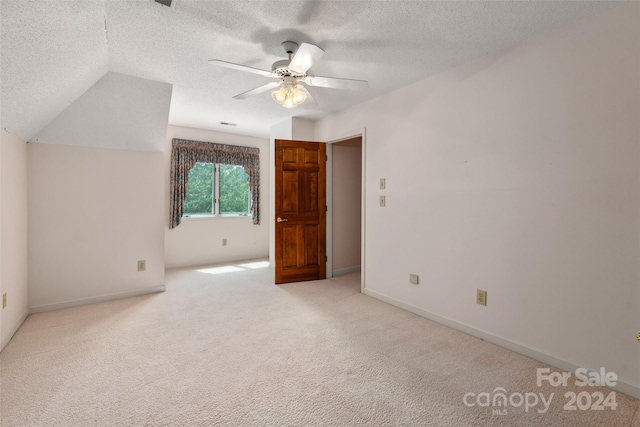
93	213
199	241
517	174
302	129
2	136
13	233
96	198
346	206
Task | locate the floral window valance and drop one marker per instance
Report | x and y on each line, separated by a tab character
185	154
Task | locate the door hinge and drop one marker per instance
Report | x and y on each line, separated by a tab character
326	258
326	208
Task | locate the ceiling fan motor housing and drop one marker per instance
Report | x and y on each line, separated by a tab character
281	69
283	63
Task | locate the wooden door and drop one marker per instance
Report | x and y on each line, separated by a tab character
300	180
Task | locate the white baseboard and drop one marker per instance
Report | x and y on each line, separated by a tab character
536	354
346	270
14	329
93	300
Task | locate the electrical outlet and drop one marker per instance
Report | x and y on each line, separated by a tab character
224	242
413	279
142	265
383	201
4	300
383	183
481	297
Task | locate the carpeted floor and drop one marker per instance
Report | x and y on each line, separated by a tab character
224	346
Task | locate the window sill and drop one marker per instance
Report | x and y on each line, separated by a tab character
214	217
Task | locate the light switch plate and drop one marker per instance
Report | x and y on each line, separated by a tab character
413	279
383	201
383	183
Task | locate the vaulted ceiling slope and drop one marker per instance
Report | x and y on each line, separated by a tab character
120	111
53	51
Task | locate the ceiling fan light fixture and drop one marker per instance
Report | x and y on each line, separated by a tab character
279	95
299	96
289	96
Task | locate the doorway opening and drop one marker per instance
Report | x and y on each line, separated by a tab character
345	200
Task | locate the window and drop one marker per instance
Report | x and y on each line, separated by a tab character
217	189
184	156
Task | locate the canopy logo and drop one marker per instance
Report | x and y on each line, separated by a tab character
500	401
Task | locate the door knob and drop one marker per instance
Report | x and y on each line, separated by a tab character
282	220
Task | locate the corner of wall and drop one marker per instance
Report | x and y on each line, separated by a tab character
13	240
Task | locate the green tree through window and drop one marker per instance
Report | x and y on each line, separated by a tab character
228	194
234	190
199	190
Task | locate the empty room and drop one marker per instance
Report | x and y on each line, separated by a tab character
319	213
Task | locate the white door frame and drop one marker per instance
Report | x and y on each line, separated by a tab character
348	135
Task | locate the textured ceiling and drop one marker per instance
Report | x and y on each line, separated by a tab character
53	51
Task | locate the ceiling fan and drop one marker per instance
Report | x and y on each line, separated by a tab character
291	76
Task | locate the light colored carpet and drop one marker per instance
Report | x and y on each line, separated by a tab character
224	346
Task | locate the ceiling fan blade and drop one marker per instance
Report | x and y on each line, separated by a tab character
336	83
305	56
309	102
241	67
257	91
